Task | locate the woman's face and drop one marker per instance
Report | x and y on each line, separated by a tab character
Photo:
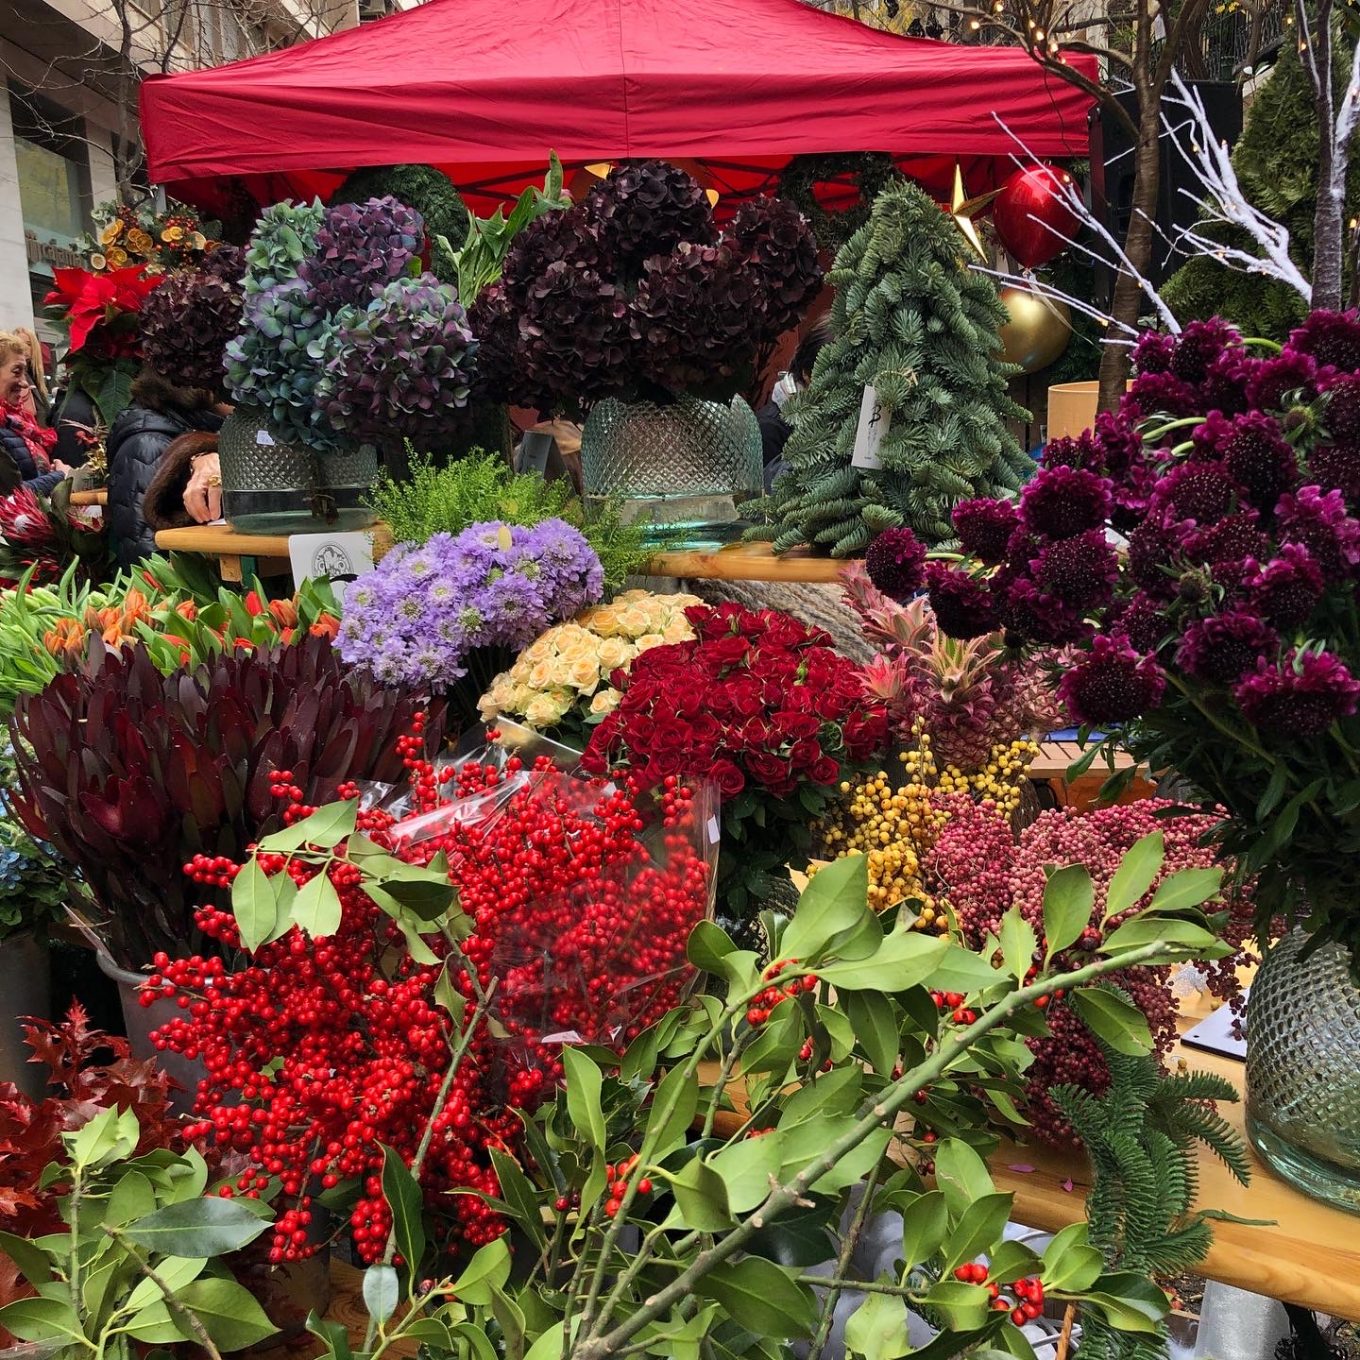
13	378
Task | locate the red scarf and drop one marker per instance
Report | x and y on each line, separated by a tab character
40	441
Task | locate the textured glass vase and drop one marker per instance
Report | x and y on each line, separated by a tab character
1303	1070
272	486
685	467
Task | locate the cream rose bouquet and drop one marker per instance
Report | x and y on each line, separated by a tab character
561	681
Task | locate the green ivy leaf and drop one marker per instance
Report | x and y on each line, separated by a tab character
760	1297
1137	870
1113	1018
1068	898
584	1084
402	1193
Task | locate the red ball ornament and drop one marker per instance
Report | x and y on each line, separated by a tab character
1032	219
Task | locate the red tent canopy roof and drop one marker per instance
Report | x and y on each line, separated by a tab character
483	90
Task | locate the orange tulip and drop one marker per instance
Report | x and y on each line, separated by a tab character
326	625
187	609
284	613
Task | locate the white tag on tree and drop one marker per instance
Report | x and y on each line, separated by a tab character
874	420
338	558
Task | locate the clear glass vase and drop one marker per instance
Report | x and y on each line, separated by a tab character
685	466
1303	1070
272	486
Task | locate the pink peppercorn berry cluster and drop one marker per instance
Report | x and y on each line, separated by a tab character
319	1049
1026	1303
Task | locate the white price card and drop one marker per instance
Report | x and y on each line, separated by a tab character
338	558
874	420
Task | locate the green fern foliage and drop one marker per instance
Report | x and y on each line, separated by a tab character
482	487
914	322
1141	1138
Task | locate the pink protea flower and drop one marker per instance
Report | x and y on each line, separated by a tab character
1298	698
1112	684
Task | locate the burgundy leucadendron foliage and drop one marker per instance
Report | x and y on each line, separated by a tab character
129	773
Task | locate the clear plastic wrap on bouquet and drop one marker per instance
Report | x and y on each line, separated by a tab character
585	894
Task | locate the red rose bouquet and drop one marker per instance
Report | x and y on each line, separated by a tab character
763	707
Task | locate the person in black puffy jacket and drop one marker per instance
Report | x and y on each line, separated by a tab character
160	412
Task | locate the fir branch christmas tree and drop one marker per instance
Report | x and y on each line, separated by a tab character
914	322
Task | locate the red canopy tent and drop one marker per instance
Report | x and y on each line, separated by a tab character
483	89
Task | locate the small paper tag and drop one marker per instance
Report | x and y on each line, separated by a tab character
337	558
874	420
713	831
264	437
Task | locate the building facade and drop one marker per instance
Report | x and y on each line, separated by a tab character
69	71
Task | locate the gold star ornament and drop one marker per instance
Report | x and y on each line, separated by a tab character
963	209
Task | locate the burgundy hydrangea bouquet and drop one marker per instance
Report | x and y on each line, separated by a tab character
1201	547
761	706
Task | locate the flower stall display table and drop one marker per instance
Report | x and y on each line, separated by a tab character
1050	767
241	555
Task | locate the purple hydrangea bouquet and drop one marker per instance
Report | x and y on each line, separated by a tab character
428	611
1201	548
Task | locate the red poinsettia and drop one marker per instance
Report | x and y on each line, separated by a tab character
91	300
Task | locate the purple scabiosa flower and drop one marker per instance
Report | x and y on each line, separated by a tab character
1132	495
1074	451
1336	467
1153	550
1143	622
1208	437
1201	491
1199	345
1331	338
1258	457
1225	383
1319	522
1159	394
896	562
1226	545
1029	612
1224	647
1286	590
1080	571
985	528
963	605
1119	444
1154	352
1341	414
1300	697
1112	684
1271	381
1062	501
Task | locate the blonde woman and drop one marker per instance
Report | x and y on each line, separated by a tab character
39	394
25	444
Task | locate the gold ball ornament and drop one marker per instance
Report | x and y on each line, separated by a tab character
1038	331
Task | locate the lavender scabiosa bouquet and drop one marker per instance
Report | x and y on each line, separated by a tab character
416	617
1200	549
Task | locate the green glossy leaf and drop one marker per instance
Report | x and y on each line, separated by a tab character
904	959
404	1199
478	1341
1183	939
1114	1019
40	1320
925	1222
1137	870
325	828
878	1328
486	1273
1188	888
1068	899
963	1307
803	1144
197	1227
1018	943
130	1198
978	1229
518	1192
960	970
834	904
316	908
701	1197
175	1272
746	1168
382	1292
669	1131
452	1000
961	1174
548	1346
32	1261
761	1297
228	1311
584	1083
830	1093
874	1021
427	897
254	904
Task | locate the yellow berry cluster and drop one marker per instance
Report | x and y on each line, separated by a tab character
894	827
999	781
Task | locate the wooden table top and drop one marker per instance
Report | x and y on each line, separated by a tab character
735	562
1055	756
